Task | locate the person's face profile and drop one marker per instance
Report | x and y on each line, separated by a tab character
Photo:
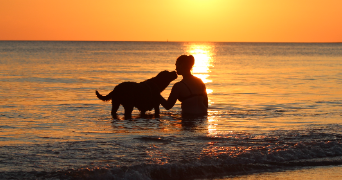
179	67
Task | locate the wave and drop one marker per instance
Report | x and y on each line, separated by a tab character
174	170
179	157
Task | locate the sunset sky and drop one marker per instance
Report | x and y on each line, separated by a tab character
172	20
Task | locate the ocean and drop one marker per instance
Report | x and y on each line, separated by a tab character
273	108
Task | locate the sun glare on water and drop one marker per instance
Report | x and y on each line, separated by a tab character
203	61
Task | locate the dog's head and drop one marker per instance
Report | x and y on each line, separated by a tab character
167	75
164	78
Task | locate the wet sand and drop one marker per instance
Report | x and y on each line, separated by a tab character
312	173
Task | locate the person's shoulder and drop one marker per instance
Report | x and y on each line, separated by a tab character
198	79
177	84
177	87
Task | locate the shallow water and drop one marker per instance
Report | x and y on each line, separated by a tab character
272	105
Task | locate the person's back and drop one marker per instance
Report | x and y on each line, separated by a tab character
194	98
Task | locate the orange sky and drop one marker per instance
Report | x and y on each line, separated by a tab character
173	20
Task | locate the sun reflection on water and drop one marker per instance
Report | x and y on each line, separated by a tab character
212	126
203	54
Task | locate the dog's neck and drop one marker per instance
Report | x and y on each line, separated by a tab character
153	85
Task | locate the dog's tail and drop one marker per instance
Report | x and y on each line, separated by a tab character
104	98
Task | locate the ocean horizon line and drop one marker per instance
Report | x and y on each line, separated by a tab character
172	41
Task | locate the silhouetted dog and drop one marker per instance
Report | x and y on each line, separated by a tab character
144	95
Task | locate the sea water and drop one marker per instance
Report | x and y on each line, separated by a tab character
272	107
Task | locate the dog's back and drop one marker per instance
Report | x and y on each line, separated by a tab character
121	91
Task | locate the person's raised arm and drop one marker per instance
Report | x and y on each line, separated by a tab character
171	101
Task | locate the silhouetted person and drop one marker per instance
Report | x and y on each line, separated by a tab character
191	91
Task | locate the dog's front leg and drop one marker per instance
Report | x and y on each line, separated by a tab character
142	113
156	111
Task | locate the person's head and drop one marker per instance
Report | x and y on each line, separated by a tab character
184	64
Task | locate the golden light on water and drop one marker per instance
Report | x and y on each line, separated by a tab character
203	61
212	125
